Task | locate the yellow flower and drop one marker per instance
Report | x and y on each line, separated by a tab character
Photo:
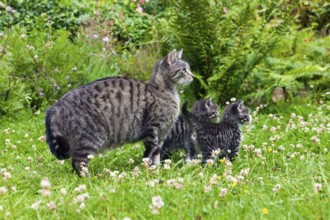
222	160
234	184
270	149
219	177
264	211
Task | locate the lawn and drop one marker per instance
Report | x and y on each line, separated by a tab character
282	172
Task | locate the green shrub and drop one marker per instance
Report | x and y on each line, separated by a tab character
231	46
44	15
39	69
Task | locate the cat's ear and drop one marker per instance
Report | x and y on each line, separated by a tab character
208	102
240	105
170	59
179	54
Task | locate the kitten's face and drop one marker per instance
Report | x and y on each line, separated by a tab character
237	111
205	109
177	70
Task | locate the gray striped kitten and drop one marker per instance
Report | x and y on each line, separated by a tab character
224	137
183	135
112	111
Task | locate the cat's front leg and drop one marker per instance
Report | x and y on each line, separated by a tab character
232	153
152	147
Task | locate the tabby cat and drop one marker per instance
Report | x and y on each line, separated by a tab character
183	136
112	111
224	137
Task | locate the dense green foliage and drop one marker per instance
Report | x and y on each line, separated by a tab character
44	15
242	49
237	43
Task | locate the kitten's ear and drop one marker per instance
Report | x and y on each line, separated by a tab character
240	105
208	102
179	54
171	57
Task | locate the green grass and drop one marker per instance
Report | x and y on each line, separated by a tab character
288	157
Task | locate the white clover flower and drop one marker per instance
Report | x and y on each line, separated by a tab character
167	161
157	201
122	175
51	205
233	99
171	182
167	166
82	187
315	139
82	205
257	152
112	190
206	189
302	157
276	188
30	159
3	190
215	153
240	179
45	184
42	138
317	187
223	192
44	192
6	175
35	205
145	162
135	172
214	179
209	162
130	161
63	191
106	39
245	172
139	9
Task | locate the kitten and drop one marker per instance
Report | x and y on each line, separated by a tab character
183	136
112	111
224	137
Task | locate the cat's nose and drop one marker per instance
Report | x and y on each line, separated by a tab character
190	74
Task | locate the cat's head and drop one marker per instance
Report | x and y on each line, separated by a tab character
237	111
172	71
205	109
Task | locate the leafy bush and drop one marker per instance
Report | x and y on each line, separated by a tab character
44	15
230	46
39	69
128	22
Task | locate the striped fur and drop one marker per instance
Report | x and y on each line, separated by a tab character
225	136
183	135
112	111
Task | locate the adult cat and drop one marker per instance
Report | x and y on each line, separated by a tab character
112	111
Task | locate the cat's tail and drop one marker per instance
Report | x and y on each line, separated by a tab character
58	145
190	117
